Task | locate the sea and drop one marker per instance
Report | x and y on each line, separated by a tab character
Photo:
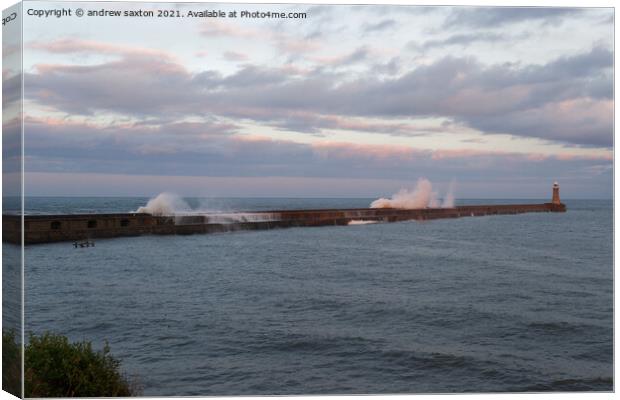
508	303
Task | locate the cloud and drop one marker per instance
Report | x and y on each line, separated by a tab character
391	67
568	121
217	28
252	76
279	39
211	148
135	83
11	144
566	100
9	49
492	17
462	39
78	142
356	56
313	123
11	89
71	46
235	56
380	26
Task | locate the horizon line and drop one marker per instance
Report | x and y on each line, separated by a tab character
297	197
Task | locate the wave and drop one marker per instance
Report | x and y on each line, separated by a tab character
600	384
361	222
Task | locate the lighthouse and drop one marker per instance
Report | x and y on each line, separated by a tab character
556	194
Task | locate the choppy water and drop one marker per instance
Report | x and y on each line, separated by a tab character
499	303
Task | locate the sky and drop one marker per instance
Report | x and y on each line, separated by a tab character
352	101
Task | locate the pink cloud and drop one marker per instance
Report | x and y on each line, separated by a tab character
253	138
219	28
603	156
235	56
131	58
378	152
282	41
581	109
295	45
70	45
329	149
62	122
356	124
347	150
291	69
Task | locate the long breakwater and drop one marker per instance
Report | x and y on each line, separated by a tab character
74	227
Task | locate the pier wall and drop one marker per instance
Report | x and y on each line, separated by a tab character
72	227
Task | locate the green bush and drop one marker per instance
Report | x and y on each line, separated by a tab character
11	364
54	367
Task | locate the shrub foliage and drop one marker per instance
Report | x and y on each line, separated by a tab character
11	364
54	367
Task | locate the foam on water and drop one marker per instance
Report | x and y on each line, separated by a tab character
361	222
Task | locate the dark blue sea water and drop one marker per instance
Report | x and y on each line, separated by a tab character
498	303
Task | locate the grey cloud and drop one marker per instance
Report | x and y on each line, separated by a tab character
75	147
390	68
11	89
234	56
11	144
463	39
138	86
552	124
316	124
357	56
380	26
251	76
457	88
321	10
207	79
462	89
179	133
314	35
490	17
580	65
56	148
